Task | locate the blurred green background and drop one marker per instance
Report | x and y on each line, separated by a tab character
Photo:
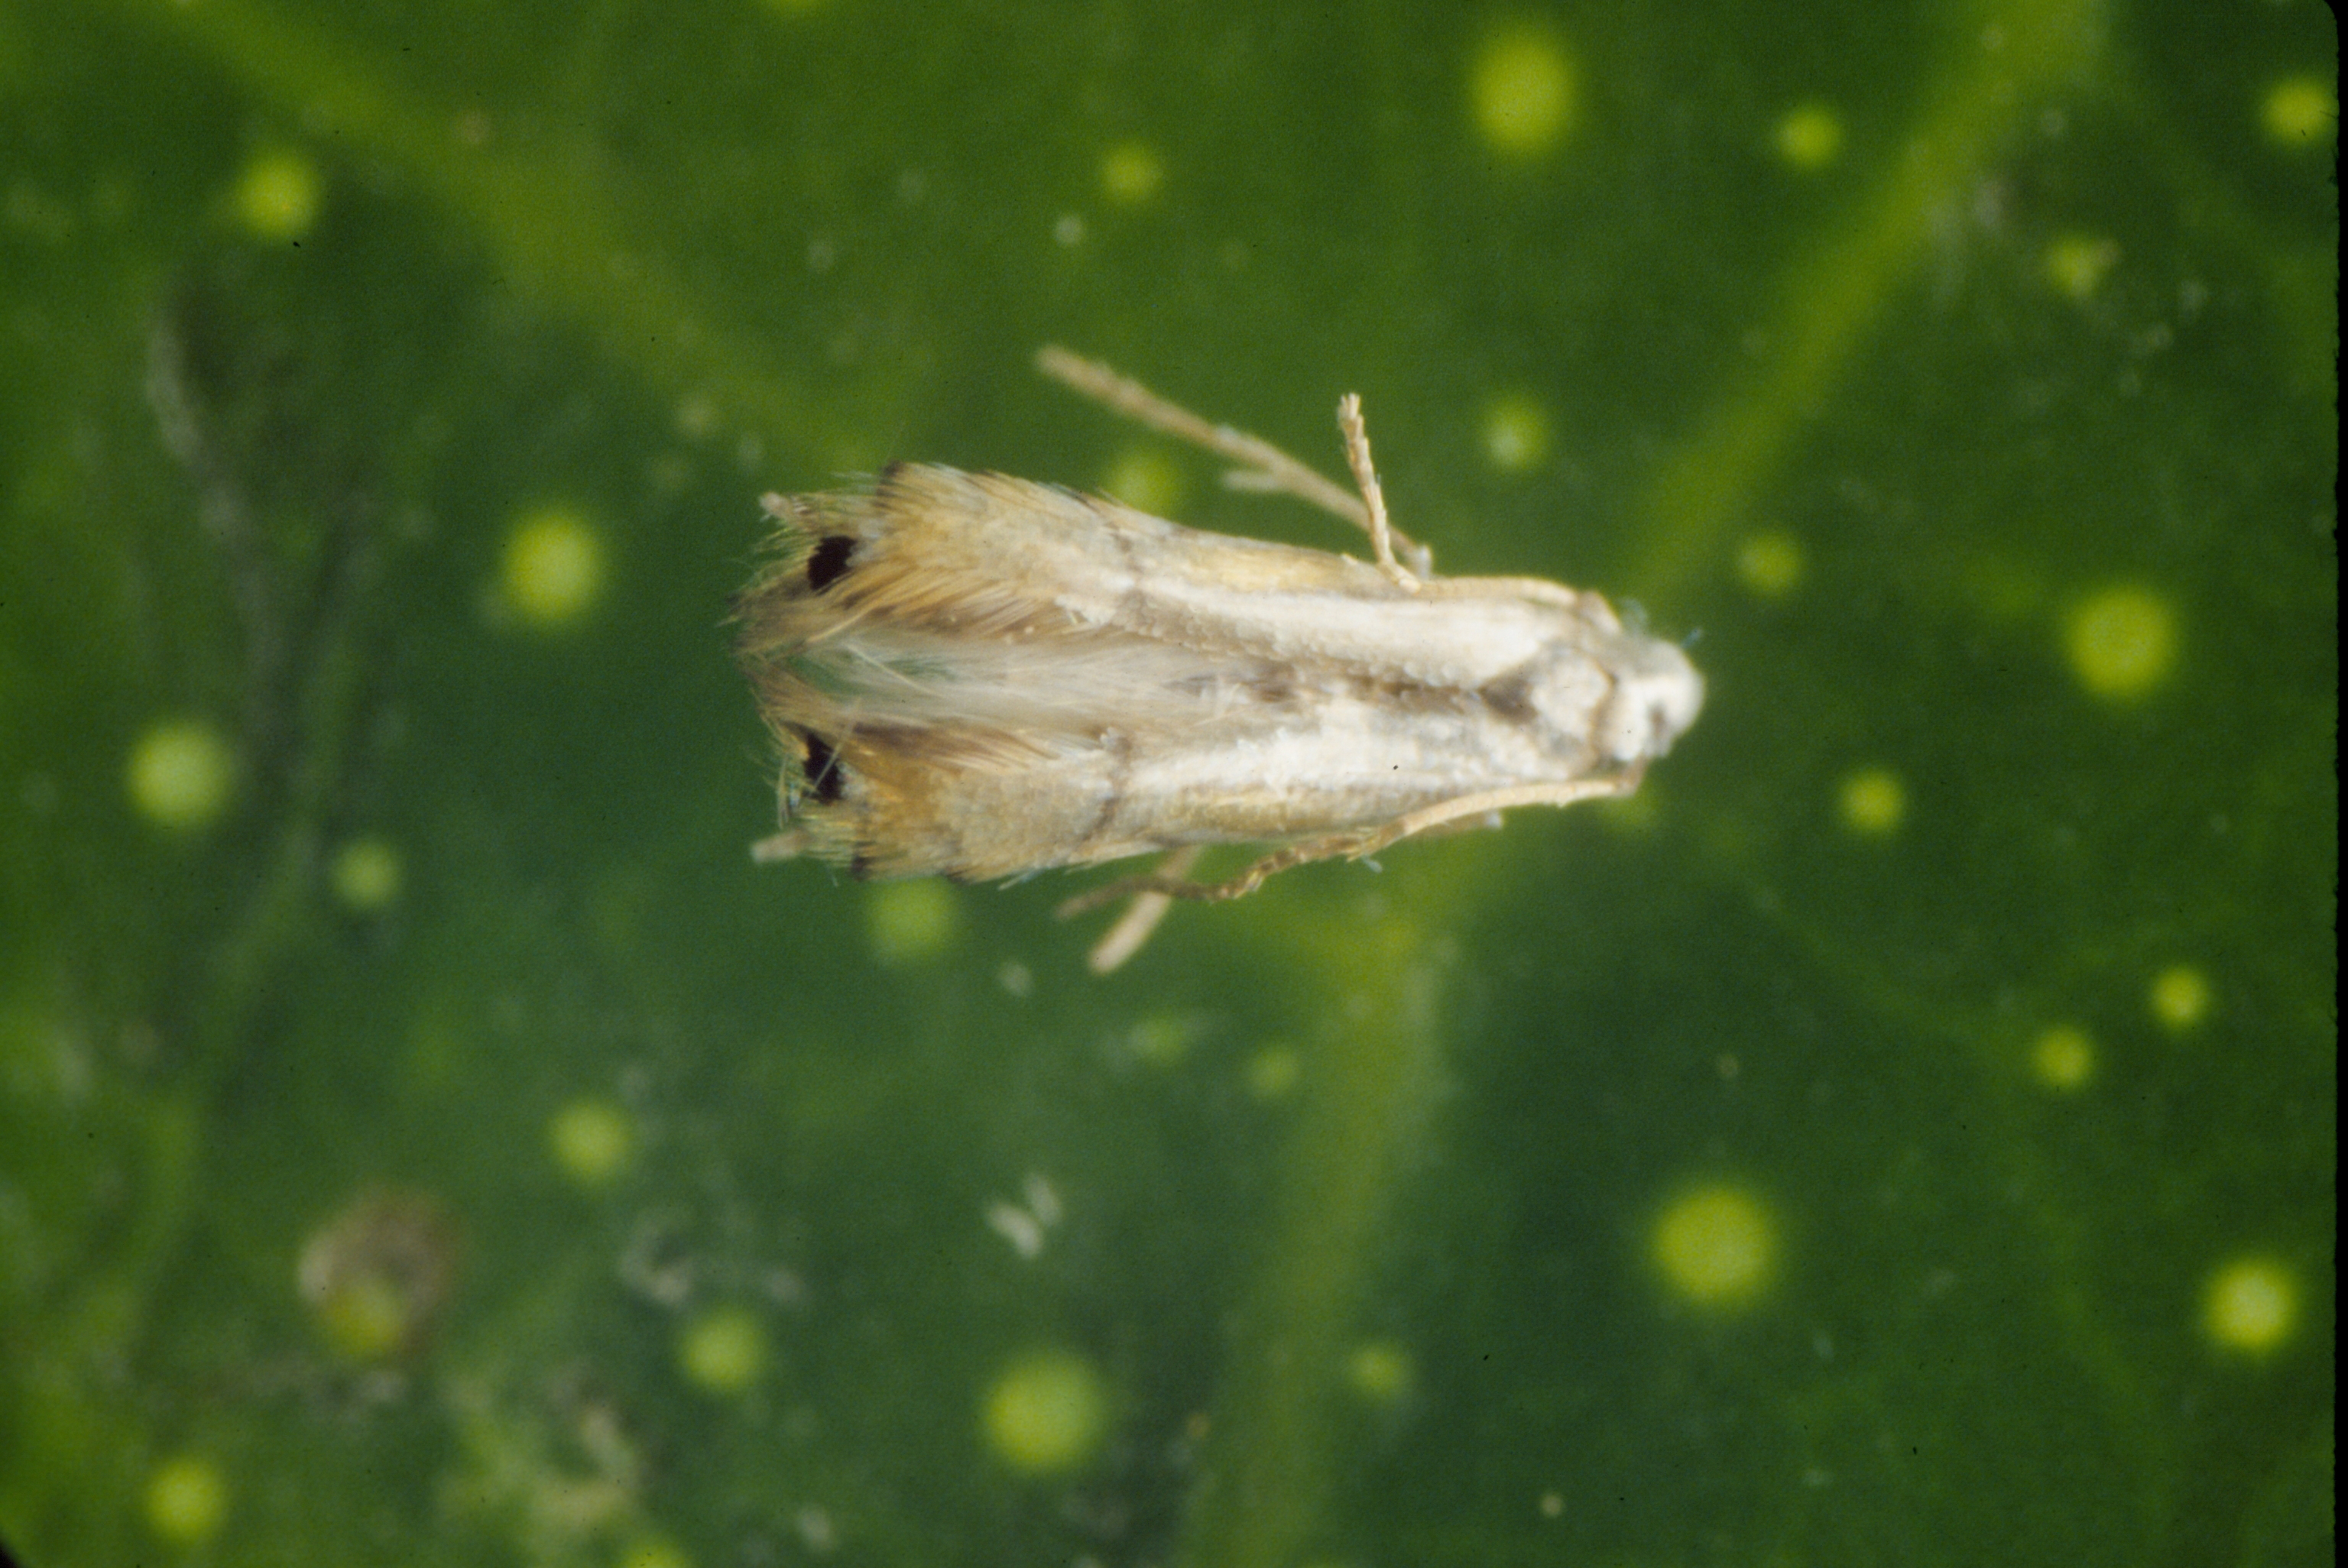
1905	1133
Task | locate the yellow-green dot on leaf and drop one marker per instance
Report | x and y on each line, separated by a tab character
277	195
1145	478
910	922
1808	137
2122	641
652	1552
1516	434
1715	1245
2181	997
366	1318
1046	1413
182	774
593	1140
2076	265
187	1499
723	1351
366	875
1382	1373
1522	90
1130	173
2251	1305
2300	111
1873	803
2062	1057
1273	1072
553	567
1162	1039
1770	564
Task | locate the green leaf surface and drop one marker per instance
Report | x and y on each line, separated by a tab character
1906	1132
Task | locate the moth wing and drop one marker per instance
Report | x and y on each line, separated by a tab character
980	555
945	657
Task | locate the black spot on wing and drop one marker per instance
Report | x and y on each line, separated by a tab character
830	560
826	780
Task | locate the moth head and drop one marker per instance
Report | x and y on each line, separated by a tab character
1657	694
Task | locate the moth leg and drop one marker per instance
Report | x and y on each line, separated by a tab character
1355	842
1156	884
1374	496
1261	466
1140	918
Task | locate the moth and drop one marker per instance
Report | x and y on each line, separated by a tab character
982	678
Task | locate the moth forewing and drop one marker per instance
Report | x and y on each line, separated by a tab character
983	677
